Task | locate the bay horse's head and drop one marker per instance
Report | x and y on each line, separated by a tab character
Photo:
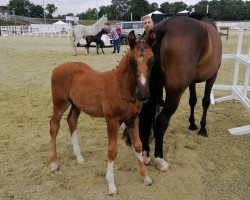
141	60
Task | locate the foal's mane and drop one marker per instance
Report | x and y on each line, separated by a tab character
122	60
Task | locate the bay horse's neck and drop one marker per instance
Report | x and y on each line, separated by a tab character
125	80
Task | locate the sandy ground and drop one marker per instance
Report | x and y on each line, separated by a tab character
213	168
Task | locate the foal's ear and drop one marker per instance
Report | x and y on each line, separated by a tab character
151	39
131	39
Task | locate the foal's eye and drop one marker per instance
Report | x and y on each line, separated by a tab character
132	61
150	62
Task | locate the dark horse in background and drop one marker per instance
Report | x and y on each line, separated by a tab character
97	39
188	50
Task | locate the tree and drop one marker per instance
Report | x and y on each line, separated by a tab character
167	8
107	10
154	6
19	6
179	6
120	8
90	14
138	8
51	8
36	11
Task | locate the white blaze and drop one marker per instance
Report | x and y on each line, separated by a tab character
143	79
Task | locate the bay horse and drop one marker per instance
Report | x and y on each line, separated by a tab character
115	95
97	39
187	51
79	31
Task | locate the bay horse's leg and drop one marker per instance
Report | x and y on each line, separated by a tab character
112	127
146	118
137	145
205	105
72	120
162	122
58	111
192	103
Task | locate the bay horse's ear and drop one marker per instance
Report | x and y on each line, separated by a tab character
151	39
131	39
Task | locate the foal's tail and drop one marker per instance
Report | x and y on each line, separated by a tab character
125	136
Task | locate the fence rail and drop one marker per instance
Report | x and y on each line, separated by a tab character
59	30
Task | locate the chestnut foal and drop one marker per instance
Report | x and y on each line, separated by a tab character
116	95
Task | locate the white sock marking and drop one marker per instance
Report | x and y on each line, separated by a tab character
161	164
110	178
76	147
54	166
138	155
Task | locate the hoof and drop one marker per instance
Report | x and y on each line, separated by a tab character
112	190
146	159
203	132
54	167
147	180
162	164
80	159
193	127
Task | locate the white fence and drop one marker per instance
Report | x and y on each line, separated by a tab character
51	30
232	25
238	92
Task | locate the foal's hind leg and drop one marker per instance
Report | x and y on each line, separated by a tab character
58	111
192	103
72	122
205	105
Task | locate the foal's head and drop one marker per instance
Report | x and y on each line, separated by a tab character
141	59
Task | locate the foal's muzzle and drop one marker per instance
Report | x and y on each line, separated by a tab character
143	96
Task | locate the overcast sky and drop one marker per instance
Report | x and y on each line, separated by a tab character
78	6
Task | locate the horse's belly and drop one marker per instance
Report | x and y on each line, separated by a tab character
89	104
93	110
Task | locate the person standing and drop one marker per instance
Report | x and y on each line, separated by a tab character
115	37
148	24
119	32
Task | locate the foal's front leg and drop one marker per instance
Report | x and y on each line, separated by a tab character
137	146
